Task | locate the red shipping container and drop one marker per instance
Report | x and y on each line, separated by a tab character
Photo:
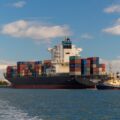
38	67
11	69
103	69
75	69
78	61
88	61
95	70
102	65
47	62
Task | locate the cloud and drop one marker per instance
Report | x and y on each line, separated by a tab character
112	9
19	4
4	64
113	30
34	30
86	36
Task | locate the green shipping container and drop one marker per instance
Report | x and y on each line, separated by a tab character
74	57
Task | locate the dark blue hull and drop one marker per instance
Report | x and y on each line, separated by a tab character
51	82
106	87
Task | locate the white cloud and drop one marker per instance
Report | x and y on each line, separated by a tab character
112	9
4	64
34	30
86	36
113	30
19	4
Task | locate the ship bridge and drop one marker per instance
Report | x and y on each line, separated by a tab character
60	55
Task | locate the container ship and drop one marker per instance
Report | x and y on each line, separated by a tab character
65	70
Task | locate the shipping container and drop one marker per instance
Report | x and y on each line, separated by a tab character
75	65
75	73
74	57
11	71
77	61
87	66
28	68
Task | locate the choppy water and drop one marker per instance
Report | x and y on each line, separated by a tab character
18	104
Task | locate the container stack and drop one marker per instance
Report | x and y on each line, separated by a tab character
102	69
46	65
94	65
11	71
85	67
38	68
75	65
29	68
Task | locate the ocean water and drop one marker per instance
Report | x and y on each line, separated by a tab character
39	104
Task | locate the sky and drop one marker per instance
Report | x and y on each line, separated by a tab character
29	27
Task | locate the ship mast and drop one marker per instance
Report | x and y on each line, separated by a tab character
112	75
110	68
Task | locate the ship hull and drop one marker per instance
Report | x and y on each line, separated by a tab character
106	87
51	87
51	82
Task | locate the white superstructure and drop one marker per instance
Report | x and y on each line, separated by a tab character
60	55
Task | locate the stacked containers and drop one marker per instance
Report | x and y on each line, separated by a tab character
75	65
29	68
85	67
94	65
47	65
11	71
102	69
22	69
38	68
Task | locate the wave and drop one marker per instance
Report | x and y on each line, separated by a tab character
8	112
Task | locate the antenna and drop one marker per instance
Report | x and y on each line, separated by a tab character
112	75
110	68
67	38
